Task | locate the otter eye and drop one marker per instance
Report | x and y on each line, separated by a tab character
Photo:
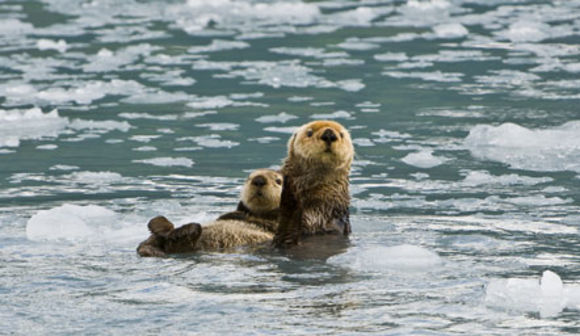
278	181
309	133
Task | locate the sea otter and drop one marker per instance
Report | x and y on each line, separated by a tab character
315	196
253	223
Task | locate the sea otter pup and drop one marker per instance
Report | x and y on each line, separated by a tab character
254	222
315	195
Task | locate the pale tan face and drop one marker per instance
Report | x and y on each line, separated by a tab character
262	190
323	142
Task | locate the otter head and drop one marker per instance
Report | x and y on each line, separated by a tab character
322	143
262	191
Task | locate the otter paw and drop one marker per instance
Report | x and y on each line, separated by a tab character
160	226
235	215
183	239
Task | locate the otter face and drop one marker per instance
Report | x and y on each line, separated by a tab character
262	190
326	143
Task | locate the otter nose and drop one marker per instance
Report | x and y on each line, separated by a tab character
259	181
328	136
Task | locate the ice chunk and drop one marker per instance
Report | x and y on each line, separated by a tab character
88	177
391	57
385	259
220	126
167	162
527	31
16	125
218	45
477	178
450	30
69	222
552	289
211	141
423	159
334	115
548	297
351	85
435	76
44	44
103	126
550	149
282	117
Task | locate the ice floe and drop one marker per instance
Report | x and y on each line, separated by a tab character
450	30
550	149
380	259
70	222
17	125
45	44
281	117
548	297
167	162
423	159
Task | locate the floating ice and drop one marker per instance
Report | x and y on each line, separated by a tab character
391	57
88	177
47	147
101	126
70	222
527	31
218	45
229	14
282	117
17	125
128	115
422	13
355	44
44	44
287	130
309	52
167	162
423	159
211	141
547	297
82	93
220	126
63	167
217	102
388	259
477	178
279	74
450	30
351	85
550	149
435	76
334	115
107	61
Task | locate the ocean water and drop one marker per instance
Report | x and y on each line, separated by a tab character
465	187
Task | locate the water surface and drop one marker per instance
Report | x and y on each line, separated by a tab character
465	188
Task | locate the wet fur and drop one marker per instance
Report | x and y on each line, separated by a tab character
252	224
315	196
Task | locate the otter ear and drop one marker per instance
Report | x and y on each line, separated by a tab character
291	144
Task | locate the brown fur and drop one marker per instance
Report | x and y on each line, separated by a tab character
253	223
315	196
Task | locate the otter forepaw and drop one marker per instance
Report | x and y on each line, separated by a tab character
235	215
190	231
160	226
